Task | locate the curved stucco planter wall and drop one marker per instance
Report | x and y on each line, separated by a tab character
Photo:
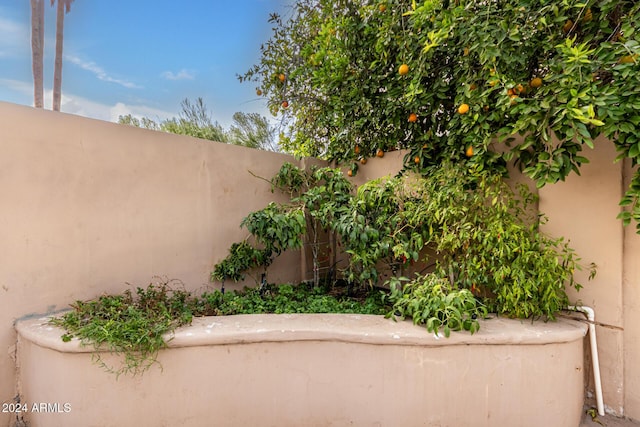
315	370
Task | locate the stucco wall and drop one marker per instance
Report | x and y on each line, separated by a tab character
309	370
584	210
631	310
87	206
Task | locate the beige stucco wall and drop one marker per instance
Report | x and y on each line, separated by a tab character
87	206
317	370
584	210
631	310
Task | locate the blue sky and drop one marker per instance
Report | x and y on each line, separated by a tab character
141	57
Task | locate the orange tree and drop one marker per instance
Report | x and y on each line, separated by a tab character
458	80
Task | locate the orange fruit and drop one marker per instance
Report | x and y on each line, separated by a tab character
285	104
412	118
514	99
510	92
535	82
469	151
519	89
281	77
416	160
258	92
403	70
382	7
567	26
363	161
380	153
473	86
463	109
350	172
357	149
492	83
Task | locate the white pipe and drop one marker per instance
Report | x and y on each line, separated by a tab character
591	315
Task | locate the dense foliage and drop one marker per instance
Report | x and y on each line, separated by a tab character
477	243
132	324
456	80
431	301
137	324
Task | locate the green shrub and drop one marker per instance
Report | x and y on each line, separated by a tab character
131	324
430	300
136	324
477	235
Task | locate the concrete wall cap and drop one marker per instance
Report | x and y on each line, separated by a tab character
352	328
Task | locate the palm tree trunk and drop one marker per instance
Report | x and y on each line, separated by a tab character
57	71
37	48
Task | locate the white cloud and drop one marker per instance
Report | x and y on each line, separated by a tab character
15	38
80	106
99	72
19	86
180	75
84	107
